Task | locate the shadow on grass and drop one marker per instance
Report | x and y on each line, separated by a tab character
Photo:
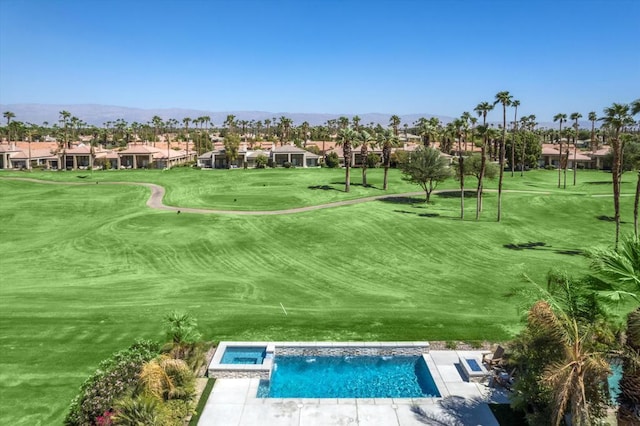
599	182
539	245
608	219
403	200
419	214
456	194
323	187
355	184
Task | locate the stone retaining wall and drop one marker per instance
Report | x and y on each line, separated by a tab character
356	349
239	374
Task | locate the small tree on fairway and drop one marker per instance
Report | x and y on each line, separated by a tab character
426	167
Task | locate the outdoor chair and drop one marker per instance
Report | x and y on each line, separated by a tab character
503	379
490	360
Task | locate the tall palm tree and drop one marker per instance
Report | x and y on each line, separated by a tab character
346	137
466	119
206	120
186	122
286	126
8	115
515	104
505	99
458	125
157	127
364	139
575	117
616	117
593	118
394	122
356	123
482	109
387	140
560	118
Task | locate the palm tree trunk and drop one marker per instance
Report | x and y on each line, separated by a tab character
616	186
363	154
635	207
501	178
575	164
461	163
347	182
483	165
385	180
560	163
524	145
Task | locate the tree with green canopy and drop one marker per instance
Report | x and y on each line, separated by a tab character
425	167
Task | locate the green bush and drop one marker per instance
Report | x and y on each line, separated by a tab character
262	161
114	378
332	160
373	160
287	165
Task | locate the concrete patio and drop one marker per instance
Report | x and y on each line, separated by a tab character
233	402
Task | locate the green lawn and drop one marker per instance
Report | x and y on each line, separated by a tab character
85	270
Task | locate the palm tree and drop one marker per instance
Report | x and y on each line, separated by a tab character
387	140
466	118
157	126
561	118
575	117
206	120
8	115
505	99
164	378
458	125
515	104
628	400
356	123
482	109
286	126
579	370
364	139
616	116
394	122
593	118
346	137
186	121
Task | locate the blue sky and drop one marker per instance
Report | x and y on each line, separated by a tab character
398	57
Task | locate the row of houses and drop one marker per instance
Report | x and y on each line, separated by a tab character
140	155
550	157
135	156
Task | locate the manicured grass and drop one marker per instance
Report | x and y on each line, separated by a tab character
85	270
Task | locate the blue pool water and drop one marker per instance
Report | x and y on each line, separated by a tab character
473	365
614	381
243	355
349	377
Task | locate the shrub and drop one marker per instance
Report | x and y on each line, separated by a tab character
373	160
450	344
332	160
286	165
262	161
114	377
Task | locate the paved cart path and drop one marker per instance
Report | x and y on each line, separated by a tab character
157	194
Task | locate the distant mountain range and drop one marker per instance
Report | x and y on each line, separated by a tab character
99	114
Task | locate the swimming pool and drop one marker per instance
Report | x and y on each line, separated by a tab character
614	381
349	377
243	355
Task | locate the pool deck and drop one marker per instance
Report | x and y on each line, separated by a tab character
233	402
